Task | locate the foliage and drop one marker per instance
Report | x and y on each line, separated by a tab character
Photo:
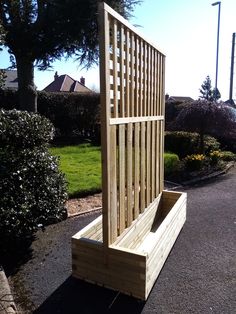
171	163
228	156
32	189
2	78
215	156
209	93
39	32
82	167
186	143
75	116
204	118
194	162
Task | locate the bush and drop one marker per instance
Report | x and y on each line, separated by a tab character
171	163
186	143
76	116
32	189
228	156
194	162
215	157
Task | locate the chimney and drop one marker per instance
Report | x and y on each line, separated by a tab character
82	80
56	76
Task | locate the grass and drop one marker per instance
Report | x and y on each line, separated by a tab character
81	165
82	168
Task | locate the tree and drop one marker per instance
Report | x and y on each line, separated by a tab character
41	31
209	93
206	118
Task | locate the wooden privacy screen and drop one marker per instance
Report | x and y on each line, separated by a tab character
132	100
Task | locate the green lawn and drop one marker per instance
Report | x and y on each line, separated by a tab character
82	167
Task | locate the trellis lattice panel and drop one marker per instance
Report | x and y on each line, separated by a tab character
127	246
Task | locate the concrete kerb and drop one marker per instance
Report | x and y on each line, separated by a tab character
175	186
7	304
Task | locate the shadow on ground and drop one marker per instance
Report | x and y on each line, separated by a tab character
76	296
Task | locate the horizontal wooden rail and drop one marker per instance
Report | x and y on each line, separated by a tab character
115	121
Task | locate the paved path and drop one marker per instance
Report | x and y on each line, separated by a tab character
198	277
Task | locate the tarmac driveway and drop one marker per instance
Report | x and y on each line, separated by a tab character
199	275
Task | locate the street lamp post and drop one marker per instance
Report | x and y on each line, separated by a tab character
217	47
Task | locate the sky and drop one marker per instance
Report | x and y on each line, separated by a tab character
186	31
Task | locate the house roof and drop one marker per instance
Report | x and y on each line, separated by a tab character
11	80
65	83
180	99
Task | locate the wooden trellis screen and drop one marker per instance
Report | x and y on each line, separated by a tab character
132	95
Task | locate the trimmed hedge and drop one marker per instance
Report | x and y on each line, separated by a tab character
171	163
186	143
76	116
32	189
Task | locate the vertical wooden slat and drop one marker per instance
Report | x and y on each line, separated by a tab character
132	72
143	167
158	157
137	89
122	88
148	161
114	59
136	168
113	188
129	174
141	77
122	170
145	79
104	45
127	73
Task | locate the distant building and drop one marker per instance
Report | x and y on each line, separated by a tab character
65	83
11	80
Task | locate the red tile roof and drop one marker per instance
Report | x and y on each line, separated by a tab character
65	83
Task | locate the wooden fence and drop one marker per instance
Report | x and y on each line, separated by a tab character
132	100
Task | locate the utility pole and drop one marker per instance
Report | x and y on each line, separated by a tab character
217	46
232	70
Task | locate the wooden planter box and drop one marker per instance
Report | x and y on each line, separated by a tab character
132	263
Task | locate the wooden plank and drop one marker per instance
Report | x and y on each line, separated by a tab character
122	78
129	174
153	161
132	74
127	74
135	119
143	168
113	189
114	59
145	80
104	46
140	77
122	185
137	88
136	168
148	162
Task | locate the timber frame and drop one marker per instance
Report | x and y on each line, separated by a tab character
126	247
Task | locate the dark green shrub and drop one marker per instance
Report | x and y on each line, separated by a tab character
228	156
186	143
76	116
32	189
171	163
194	162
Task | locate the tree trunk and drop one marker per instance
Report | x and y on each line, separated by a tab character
26	88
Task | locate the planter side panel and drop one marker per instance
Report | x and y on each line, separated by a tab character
112	268
164	241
